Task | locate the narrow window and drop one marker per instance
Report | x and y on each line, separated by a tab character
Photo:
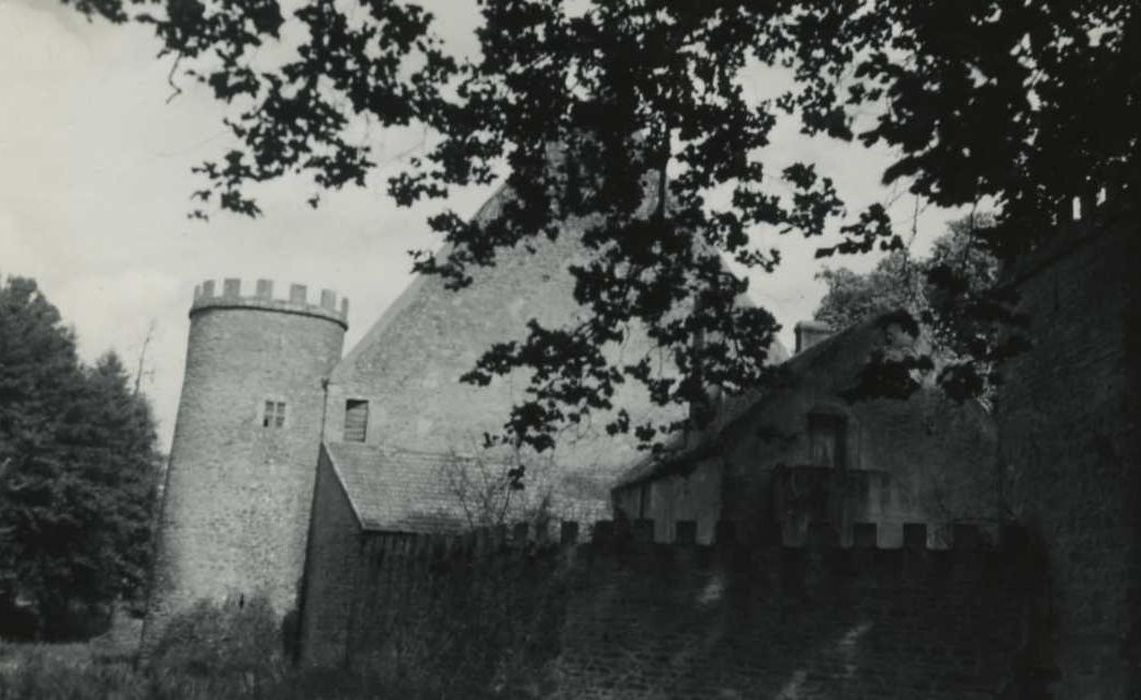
274	414
356	420
826	440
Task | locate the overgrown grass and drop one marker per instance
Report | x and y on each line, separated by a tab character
210	652
64	671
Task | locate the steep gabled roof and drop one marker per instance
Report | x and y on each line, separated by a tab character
409	364
380	328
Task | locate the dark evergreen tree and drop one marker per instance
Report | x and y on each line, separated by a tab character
38	370
112	442
78	470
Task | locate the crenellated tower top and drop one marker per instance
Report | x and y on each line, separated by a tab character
230	296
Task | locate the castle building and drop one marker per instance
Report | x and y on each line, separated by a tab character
267	394
284	450
791	457
270	409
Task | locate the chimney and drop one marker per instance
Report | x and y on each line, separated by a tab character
809	333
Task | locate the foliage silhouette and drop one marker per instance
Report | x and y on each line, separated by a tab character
631	117
953	297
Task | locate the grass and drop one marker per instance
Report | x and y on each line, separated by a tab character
66	671
211	652
82	672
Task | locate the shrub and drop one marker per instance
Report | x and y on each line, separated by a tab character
233	648
486	644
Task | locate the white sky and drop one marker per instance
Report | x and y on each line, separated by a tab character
95	183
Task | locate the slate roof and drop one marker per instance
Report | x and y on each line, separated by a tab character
397	490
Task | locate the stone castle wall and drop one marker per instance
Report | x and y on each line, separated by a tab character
331	569
1068	420
780	622
237	496
623	617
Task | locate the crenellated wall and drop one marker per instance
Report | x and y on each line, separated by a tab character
230	295
820	621
624	617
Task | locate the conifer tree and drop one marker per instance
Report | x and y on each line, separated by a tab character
78	469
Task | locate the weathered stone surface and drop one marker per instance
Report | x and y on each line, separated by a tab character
237	495
1068	415
620	618
333	554
408	366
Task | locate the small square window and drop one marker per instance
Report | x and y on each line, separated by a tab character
356	420
274	415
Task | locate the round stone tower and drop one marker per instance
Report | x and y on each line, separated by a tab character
238	489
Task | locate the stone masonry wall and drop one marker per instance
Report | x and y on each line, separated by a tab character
238	493
408	367
332	559
1068	421
623	617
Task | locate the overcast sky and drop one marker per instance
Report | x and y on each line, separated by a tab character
95	182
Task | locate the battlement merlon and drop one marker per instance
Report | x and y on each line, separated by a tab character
229	295
1093	212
